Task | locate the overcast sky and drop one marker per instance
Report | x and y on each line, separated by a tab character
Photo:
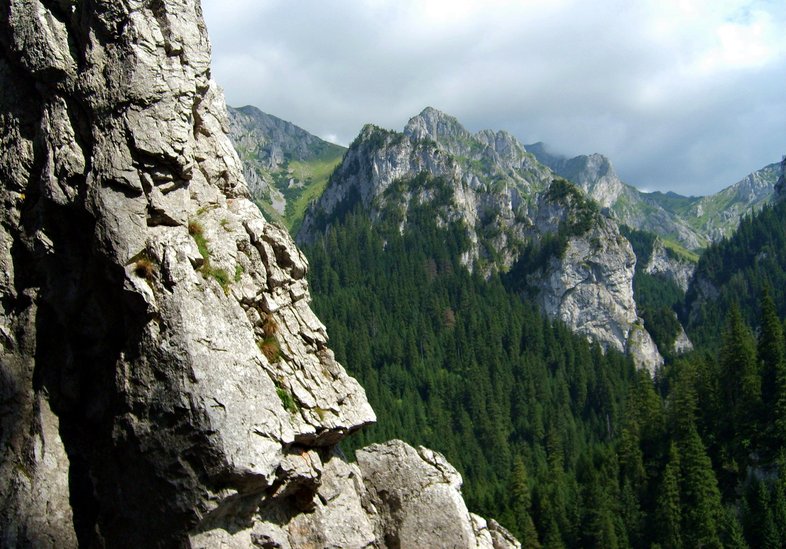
688	96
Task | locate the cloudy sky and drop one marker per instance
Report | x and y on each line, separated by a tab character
684	95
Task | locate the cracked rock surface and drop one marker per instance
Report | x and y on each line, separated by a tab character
163	380
416	493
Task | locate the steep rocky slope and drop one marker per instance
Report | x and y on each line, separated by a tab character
666	262
509	204
694	222
285	166
780	186
163	379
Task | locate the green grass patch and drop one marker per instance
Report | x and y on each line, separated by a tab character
219	275
197	232
315	175
287	400
680	251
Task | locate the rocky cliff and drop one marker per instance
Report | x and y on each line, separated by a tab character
163	381
508	203
665	262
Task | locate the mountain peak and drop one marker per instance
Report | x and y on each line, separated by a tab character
436	125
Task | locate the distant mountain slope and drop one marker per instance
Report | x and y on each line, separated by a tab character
284	165
517	217
718	215
736	270
694	222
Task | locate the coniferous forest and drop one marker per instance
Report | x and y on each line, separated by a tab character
562	443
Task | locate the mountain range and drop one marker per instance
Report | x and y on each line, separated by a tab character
502	190
287	167
693	222
165	382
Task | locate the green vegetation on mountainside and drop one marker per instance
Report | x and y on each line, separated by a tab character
467	367
299	182
566	446
286	167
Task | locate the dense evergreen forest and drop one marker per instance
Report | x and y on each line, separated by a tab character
563	444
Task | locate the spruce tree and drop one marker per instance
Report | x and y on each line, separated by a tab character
668	511
760	527
701	502
740	387
779	499
770	349
522	503
732	535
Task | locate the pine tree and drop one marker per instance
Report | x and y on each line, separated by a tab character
597	524
770	350
761	530
779	499
683	400
731	531
772	363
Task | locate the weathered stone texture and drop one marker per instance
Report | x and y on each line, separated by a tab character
163	380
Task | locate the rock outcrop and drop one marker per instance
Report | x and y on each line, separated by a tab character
669	264
593	173
163	381
415	492
589	287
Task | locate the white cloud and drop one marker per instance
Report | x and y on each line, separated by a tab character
682	94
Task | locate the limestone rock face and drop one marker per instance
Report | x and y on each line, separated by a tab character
589	287
163	380
665	263
416	494
491	199
682	344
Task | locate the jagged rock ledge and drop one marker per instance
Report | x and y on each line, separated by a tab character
162	377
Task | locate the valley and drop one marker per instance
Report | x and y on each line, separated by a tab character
434	255
218	330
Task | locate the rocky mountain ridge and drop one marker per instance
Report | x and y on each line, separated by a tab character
507	201
284	165
693	222
164	381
